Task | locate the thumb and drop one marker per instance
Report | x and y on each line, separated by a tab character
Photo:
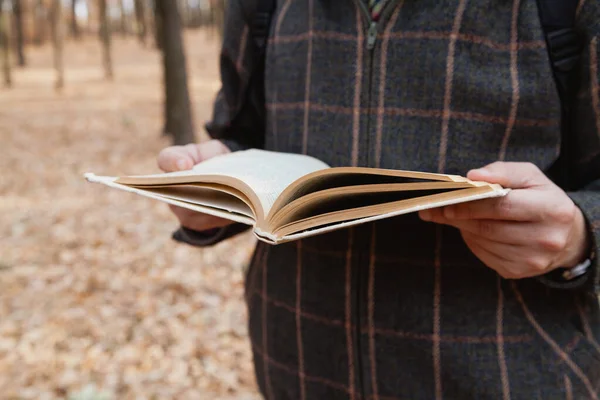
175	158
514	175
180	158
209	149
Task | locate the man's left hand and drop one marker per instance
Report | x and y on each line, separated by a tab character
533	230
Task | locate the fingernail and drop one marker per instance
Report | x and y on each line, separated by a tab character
182	165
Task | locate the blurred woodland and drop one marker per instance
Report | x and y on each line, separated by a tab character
156	23
96	300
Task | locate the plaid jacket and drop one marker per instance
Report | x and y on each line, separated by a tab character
401	309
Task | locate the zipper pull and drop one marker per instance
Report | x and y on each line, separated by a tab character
372	35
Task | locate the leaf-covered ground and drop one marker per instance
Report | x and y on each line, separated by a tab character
96	300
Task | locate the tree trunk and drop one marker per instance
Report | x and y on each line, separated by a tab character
217	13
40	19
140	16
57	42
158	24
149	18
5	47
92	18
19	36
105	37
185	11
124	30
178	116
75	32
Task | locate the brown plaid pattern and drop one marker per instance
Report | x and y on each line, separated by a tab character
400	309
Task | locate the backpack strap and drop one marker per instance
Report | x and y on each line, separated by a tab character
261	23
250	113
260	27
564	46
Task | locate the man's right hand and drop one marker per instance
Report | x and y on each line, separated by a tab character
180	158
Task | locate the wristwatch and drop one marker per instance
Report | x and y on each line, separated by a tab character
570	278
577	271
580	269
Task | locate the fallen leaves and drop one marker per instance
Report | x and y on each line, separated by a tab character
96	300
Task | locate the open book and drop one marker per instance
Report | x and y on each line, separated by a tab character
289	196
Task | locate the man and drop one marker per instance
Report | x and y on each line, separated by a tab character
494	299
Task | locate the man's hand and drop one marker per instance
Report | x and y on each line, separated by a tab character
533	230
180	158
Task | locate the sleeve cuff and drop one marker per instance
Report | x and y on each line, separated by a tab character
555	280
209	237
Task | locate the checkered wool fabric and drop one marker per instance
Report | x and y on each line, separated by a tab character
401	309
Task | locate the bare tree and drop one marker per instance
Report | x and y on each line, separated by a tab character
178	116
105	38
75	31
5	46
158	24
124	29
19	37
140	16
185	12
217	10
40	18
92	18
57	42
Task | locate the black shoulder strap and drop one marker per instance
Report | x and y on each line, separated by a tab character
563	42
251	110
564	50
261	23
260	26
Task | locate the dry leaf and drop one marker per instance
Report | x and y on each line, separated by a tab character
95	298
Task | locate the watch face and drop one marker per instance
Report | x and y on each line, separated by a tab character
577	270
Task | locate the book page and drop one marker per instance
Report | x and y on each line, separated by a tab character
327	222
266	173
204	197
260	174
358	176
227	210
369	194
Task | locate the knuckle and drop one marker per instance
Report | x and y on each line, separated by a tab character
457	211
536	264
504	205
554	243
497	165
190	148
436	214
485	228
465	212
531	168
531	173
564	213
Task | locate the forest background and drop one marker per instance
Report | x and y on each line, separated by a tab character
96	301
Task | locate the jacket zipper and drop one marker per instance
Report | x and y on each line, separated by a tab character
388	8
372	32
363	256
